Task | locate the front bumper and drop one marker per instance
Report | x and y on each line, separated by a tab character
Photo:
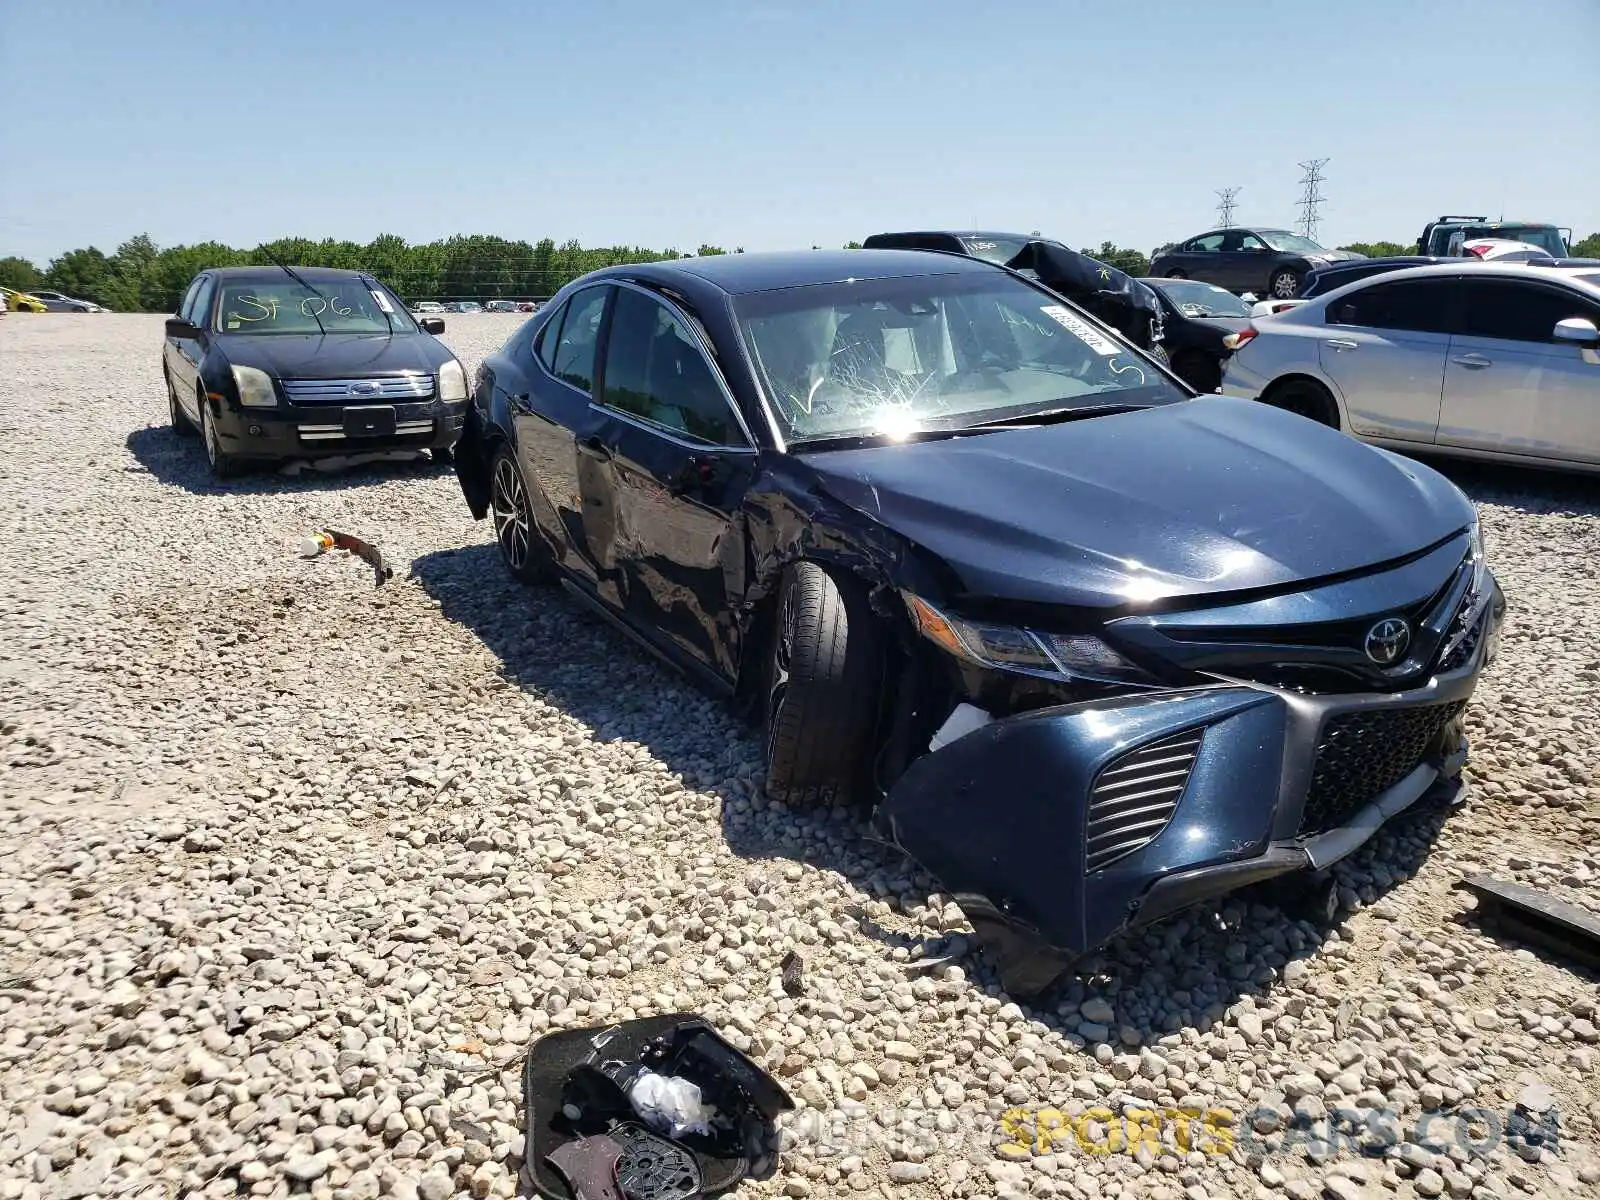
1056	829
318	431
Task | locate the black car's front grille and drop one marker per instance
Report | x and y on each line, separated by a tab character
414	385
1364	753
1135	795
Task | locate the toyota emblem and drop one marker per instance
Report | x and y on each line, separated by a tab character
1387	641
364	387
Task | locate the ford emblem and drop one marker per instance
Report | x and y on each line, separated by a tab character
1387	641
364	387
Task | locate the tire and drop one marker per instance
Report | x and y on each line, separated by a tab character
181	425
1177	274
521	549
1284	284
223	465
1306	397
824	679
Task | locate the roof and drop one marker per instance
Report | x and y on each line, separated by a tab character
740	273
272	272
956	233
1481	268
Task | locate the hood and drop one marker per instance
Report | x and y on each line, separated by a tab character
337	355
1200	498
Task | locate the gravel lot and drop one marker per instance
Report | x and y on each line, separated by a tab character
292	868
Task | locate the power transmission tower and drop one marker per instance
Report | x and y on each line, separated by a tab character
1225	206
1311	198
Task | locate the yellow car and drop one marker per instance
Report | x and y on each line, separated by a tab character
22	302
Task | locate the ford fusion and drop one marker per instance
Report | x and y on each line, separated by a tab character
1093	649
277	363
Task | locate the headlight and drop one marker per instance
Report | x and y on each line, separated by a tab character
255	388
1062	656
452	382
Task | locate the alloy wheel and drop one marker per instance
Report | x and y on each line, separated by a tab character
782	652
208	427
512	520
1285	285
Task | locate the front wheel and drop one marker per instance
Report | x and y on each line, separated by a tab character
824	679
1284	284
521	550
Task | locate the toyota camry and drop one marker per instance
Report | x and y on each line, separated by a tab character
1092	648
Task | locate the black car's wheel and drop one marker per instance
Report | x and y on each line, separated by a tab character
1284	284
223	465
1177	274
1200	371
1306	397
824	676
514	532
181	425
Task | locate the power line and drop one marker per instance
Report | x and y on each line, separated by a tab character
1311	197
1225	206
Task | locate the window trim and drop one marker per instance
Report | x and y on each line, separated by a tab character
597	399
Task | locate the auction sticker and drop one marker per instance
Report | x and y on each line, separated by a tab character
1081	329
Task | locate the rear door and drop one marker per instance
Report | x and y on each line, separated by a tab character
681	461
1509	387
1384	348
1201	258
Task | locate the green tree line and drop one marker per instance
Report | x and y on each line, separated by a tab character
140	276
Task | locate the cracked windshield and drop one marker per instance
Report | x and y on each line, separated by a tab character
898	356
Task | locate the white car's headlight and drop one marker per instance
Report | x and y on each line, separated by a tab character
255	388
452	382
1062	656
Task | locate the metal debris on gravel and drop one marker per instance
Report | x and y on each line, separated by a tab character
292	868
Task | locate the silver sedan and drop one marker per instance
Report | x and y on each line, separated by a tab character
1496	361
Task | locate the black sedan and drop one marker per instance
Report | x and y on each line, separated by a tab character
1196	317
1096	649
274	363
1272	262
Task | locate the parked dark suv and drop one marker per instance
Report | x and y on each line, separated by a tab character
273	363
1094	648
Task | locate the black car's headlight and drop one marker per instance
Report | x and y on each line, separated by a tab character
254	387
452	382
1062	656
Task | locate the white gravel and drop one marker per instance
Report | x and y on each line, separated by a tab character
292	868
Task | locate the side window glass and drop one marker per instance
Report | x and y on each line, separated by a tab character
574	351
200	314
1421	307
545	347
656	372
1252	242
1209	244
187	307
1517	311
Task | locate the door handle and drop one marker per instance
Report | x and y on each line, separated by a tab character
594	447
1473	362
1341	344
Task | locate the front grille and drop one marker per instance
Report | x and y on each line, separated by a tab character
1135	795
334	433
1364	753
414	386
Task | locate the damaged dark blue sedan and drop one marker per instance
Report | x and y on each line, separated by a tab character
1095	649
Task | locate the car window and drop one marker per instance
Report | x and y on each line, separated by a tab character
1520	312
186	309
656	372
573	356
1252	242
1421	306
1211	242
202	301
544	347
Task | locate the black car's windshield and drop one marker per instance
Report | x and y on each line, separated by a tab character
994	249
285	306
891	357
1195	299
1292	243
1545	237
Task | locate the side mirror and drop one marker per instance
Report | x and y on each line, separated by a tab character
1576	331
177	327
432	324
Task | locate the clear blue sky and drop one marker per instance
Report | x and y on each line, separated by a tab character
776	123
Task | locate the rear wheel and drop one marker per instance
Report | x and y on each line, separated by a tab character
521	550
1306	397
824	677
1284	284
1177	274
223	465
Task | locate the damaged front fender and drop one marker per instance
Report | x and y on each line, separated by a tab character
1055	829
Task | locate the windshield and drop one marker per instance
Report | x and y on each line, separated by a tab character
995	250
1195	299
892	357
1293	243
284	306
1546	237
